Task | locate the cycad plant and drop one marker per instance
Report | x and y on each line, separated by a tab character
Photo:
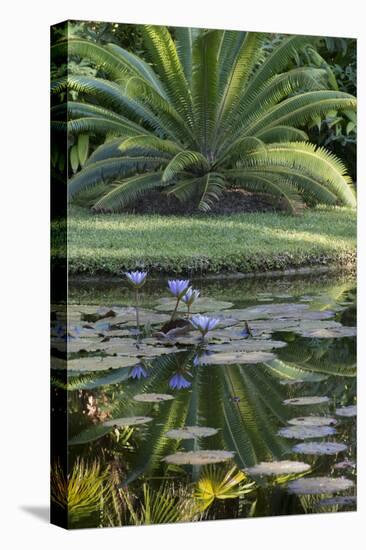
212	111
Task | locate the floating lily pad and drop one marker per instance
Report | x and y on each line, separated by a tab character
347	411
337	501
319	485
336	332
201	305
277	468
93	364
75	345
128	421
91	434
345	465
310	400
199	457
313	421
306	432
152	397
246	345
191	432
269	311
321	448
243	358
129	346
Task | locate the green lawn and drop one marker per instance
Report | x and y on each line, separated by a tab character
201	244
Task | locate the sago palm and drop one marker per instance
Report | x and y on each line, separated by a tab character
213	111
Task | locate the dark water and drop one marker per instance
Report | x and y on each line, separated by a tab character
126	412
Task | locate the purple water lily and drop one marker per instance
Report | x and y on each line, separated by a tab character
178	382
204	323
178	288
136	278
190	297
138	372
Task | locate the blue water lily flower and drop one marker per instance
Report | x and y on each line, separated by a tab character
136	278
190	296
178	288
204	323
138	372
178	382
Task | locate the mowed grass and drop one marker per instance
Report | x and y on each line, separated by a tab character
247	243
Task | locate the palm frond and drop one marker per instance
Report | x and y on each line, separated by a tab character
163	52
185	161
185	38
126	191
107	171
282	133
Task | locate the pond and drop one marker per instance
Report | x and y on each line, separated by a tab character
258	418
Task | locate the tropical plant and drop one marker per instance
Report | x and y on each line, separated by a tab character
214	110
82	491
220	483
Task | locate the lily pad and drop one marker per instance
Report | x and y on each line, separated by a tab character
319	449
306	432
152	397
310	400
199	457
313	421
278	467
191	432
128	421
345	465
246	345
336	332
128	346
349	411
93	364
201	305
319	485
337	501
75	345
269	311
90	434
242	357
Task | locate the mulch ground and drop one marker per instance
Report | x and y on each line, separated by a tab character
232	201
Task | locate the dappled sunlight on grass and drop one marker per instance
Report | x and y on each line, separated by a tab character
237	242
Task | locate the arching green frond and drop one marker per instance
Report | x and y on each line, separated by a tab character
297	110
75	109
311	189
241	69
185	161
274	185
230	44
185	37
277	61
139	67
113	96
282	133
279	87
170	120
149	146
204	87
241	147
106	171
185	189
128	190
98	125
114	61
167	64
210	189
315	162
108	150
